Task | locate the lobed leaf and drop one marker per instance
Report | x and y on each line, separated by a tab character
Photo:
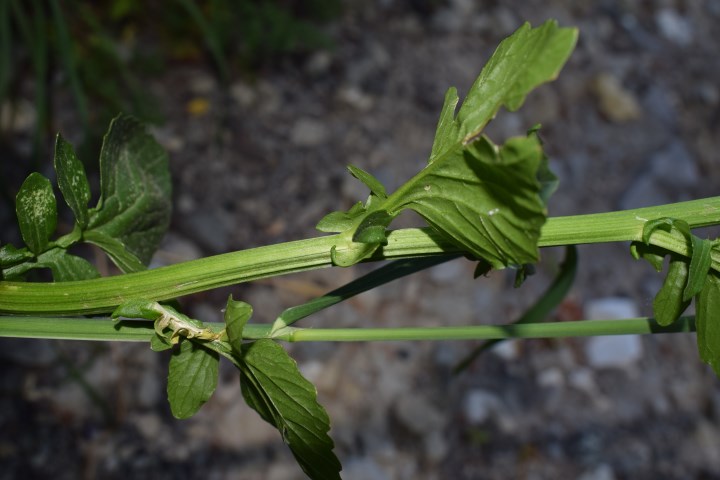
523	61
192	378
72	180
273	386
36	210
135	205
484	199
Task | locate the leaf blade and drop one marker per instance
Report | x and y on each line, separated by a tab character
273	386
707	322
36	210
72	180
192	378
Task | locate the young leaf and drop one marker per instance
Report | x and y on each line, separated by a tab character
373	228
9	255
700	263
484	199
66	267
273	386
523	61
192	378
651	253
116	250
144	309
36	210
72	180
237	315
707	321
135	203
371	182
158	343
669	303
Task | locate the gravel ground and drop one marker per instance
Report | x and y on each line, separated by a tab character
632	121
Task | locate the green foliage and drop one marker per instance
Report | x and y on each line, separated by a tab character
489	200
192	378
128	222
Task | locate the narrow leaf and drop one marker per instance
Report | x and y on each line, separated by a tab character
9	255
135	204
707	322
66	267
237	315
273	386
651	253
192	378
72	180
700	263
36	210
385	274
447	133
669	303
116	250
144	309
371	182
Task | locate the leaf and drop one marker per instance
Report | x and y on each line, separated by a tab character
484	199
707	322
373	228
523	61
273	386
669	303
144	309
385	274
9	255
651	253
72	180
237	315
158	343
116	250
135	204
338	221
36	210
192	378
66	267
371	182
700	263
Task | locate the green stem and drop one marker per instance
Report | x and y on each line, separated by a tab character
104	294
104	329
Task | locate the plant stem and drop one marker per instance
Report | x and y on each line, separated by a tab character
104	294
104	329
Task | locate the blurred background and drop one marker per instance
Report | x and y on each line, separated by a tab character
261	105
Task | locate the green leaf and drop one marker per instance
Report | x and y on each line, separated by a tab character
72	180
669	303
523	61
135	204
665	224
700	264
66	267
273	386
373	228
36	210
145	309
192	378
385	274
651	253
9	255
116	250
158	343
237	315
371	182
484	199
707	322
338	221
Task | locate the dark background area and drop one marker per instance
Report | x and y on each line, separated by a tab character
260	129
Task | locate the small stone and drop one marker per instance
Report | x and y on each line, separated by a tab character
615	102
674	27
356	98
318	63
308	132
508	350
551	378
243	95
480	405
621	351
418	415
